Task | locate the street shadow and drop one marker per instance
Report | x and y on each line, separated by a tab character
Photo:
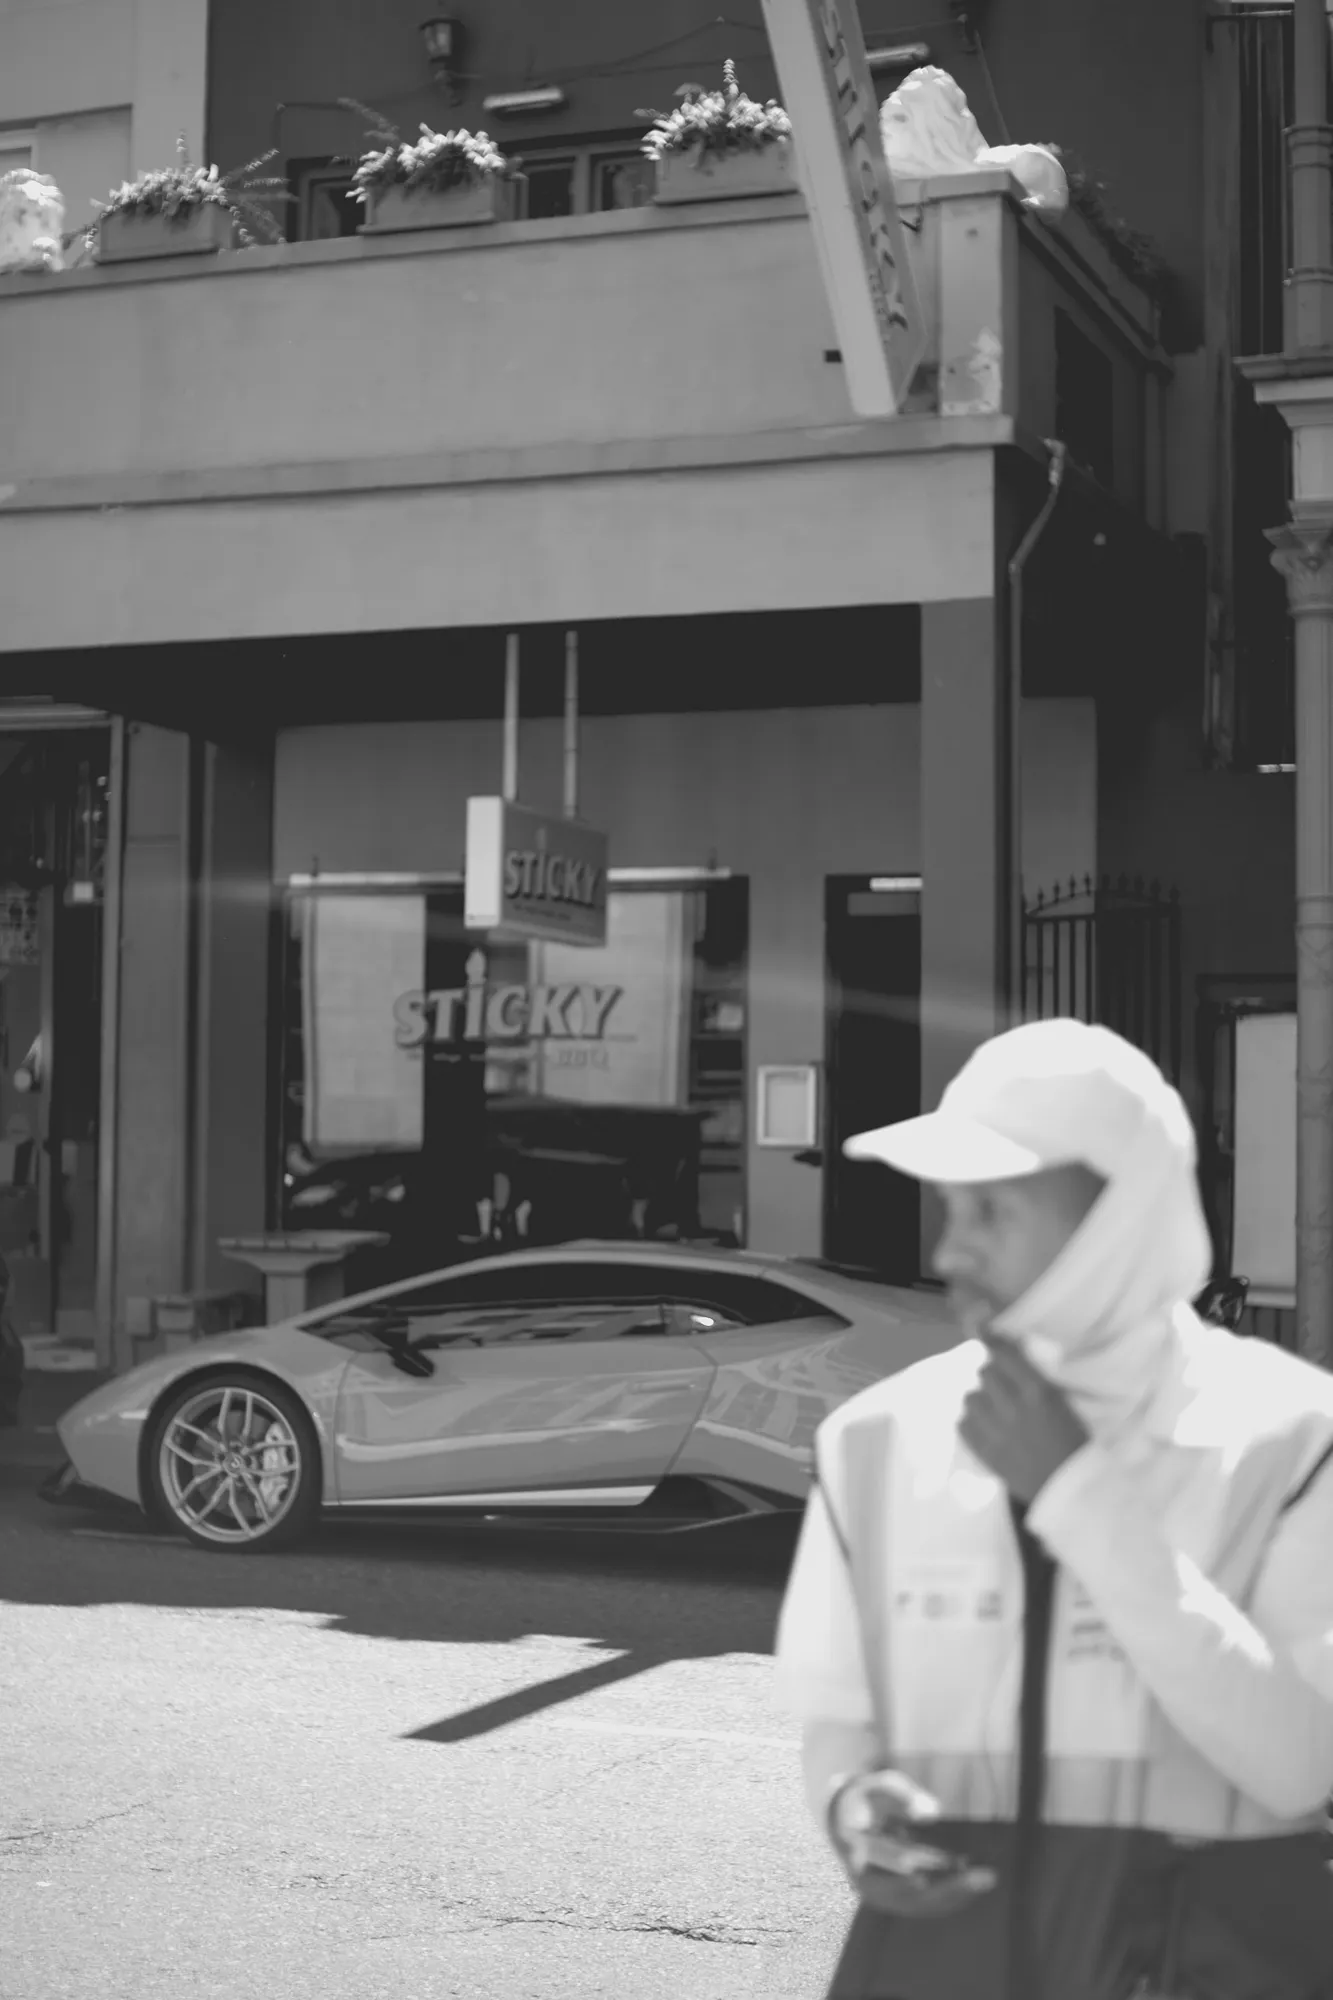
645	1602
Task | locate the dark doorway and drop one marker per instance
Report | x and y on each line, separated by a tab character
872	1217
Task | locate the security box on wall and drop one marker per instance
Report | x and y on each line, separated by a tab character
787	1105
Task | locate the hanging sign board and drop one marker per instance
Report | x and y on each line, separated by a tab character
826	88
533	876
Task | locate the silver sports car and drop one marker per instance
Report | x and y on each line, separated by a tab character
628	1384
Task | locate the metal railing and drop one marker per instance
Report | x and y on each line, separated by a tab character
1108	951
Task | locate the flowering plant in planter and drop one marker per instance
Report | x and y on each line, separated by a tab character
716	121
432	164
176	192
1091	198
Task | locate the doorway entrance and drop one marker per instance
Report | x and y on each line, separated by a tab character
53	817
872	1218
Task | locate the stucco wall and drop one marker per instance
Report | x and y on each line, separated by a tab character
153	1090
230	1135
106	84
728	538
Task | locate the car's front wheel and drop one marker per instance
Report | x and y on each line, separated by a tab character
233	1463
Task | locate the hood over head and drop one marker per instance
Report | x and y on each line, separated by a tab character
1100	1319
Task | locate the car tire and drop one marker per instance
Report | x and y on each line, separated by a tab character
233	1464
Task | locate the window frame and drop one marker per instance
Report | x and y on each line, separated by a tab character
18	139
305	175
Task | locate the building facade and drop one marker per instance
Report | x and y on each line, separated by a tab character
278	573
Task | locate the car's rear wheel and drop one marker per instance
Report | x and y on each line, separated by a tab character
234	1464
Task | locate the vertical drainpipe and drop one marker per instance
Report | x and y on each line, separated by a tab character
109	1089
1304	553
571	725
1014	966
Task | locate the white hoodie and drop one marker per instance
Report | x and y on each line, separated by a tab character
1192	1653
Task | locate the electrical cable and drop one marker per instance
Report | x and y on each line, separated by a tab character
631	61
980	53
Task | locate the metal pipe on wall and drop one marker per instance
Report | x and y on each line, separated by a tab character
571	725
109	1094
1014	966
1310	169
510	782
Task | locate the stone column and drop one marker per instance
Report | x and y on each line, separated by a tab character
152	1169
231	1162
1303	552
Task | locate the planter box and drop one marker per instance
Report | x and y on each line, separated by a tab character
197	232
738	176
390	210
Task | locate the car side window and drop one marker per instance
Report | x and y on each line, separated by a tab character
684	1318
565	1299
712	1301
524	1322
507	1306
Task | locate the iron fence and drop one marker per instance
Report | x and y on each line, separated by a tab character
1108	951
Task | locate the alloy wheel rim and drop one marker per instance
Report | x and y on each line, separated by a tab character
230	1464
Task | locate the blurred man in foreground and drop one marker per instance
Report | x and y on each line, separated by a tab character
1060	1627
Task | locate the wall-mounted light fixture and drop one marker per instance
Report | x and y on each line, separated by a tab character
902	55
442	38
511	103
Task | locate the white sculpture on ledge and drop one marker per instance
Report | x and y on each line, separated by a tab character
928	129
32	222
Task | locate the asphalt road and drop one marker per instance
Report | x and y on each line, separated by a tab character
460	1762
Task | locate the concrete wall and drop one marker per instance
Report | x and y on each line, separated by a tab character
404	385
731	538
107	85
782	797
86	153
365	351
688	324
154	1082
231	1163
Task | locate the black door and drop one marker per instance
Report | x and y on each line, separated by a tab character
872	1216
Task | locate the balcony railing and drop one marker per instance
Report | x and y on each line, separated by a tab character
616	341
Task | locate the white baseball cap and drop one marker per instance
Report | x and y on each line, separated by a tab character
1049	1094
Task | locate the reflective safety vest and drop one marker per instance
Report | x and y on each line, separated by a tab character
1229	1442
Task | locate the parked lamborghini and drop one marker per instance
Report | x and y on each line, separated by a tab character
631	1385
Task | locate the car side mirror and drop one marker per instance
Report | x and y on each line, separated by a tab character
1223	1302
395	1336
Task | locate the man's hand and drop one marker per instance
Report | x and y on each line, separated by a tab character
1018	1423
879	1823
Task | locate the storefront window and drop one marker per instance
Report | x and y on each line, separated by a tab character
457	1095
54	789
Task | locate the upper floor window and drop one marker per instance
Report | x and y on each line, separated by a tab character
17	149
1084	398
558	181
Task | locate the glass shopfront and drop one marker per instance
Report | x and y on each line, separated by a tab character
459	1096
54	790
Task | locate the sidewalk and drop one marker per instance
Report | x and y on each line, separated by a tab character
31	1447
